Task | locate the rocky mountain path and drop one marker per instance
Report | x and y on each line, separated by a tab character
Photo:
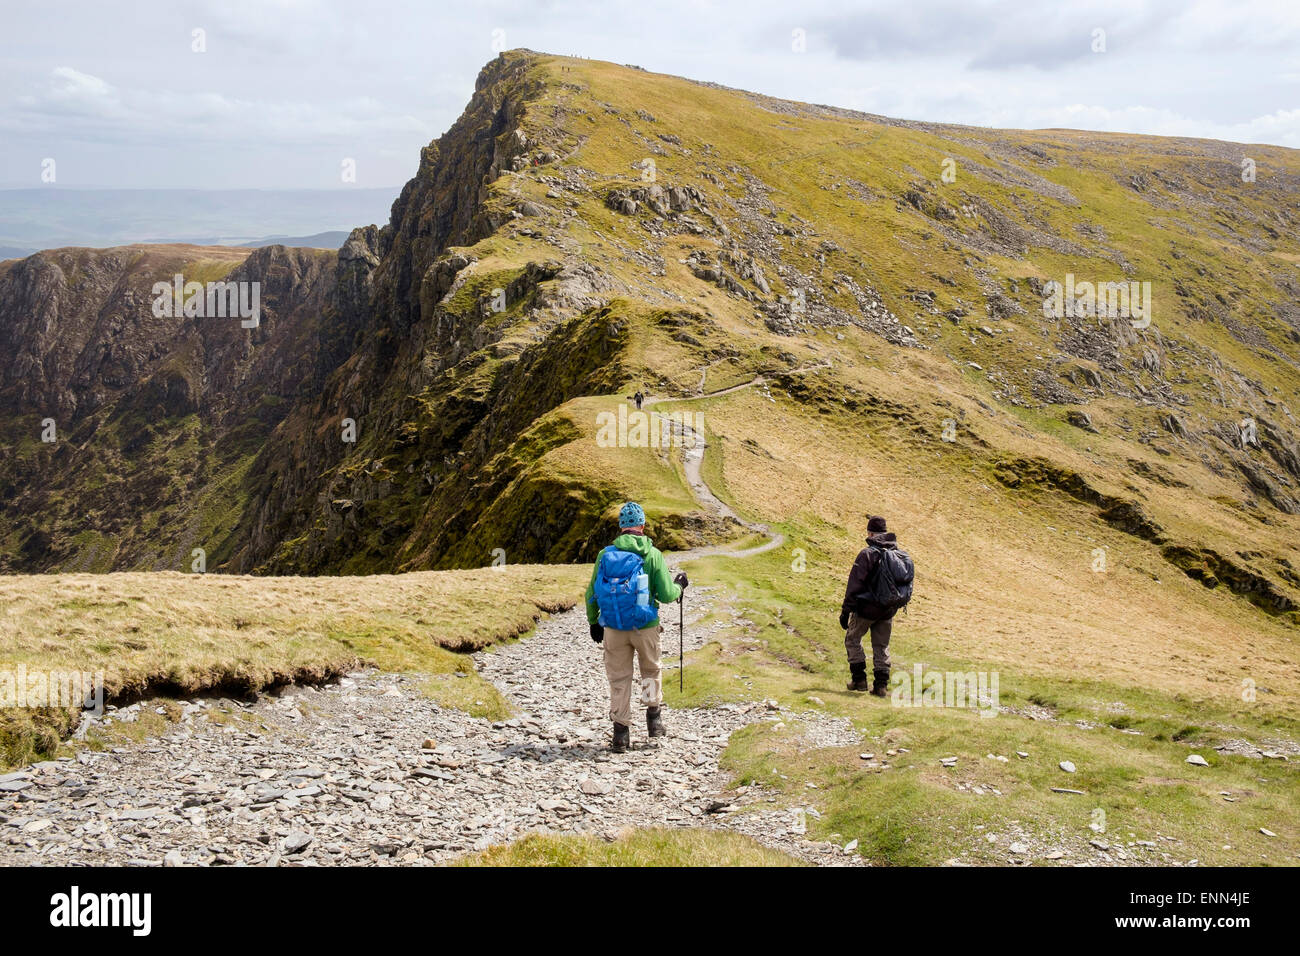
370	771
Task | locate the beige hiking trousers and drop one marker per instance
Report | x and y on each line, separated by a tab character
620	648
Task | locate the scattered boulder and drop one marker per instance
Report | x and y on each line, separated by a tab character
1080	419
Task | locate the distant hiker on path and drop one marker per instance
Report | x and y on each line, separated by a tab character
639	397
628	582
879	584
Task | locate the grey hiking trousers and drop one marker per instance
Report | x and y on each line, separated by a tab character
880	631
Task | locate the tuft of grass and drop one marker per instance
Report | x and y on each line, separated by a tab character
653	847
148	723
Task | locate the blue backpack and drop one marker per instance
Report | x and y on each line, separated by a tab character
623	591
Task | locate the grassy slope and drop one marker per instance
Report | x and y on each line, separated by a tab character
1113	650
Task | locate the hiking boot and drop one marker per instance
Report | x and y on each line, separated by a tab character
881	687
858	677
654	722
622	739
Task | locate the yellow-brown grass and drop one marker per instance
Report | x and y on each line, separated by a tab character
174	633
1002	578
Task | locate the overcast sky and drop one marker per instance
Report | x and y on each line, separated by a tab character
287	89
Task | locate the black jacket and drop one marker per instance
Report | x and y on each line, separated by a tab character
864	565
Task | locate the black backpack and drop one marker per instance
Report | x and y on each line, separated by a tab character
890	585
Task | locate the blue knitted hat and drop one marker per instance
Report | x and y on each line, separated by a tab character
631	516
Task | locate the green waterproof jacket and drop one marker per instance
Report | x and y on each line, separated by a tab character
662	588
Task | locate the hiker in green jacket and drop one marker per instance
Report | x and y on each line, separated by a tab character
628	582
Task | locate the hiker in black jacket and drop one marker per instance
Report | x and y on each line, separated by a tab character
858	617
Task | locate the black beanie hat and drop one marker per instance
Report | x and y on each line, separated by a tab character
876	524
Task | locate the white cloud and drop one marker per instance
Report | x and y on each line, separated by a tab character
70	93
288	86
73	102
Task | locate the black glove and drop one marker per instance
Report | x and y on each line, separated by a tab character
844	620
597	633
680	579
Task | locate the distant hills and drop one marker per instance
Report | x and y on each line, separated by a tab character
321	240
59	216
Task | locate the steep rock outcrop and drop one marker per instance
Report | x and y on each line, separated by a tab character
149	414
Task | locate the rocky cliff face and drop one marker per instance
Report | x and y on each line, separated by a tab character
434	397
146	416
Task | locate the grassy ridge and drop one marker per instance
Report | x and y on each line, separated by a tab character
958	262
171	633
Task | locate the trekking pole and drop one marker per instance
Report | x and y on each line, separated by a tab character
681	642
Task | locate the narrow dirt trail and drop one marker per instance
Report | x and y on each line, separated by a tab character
693	447
371	771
